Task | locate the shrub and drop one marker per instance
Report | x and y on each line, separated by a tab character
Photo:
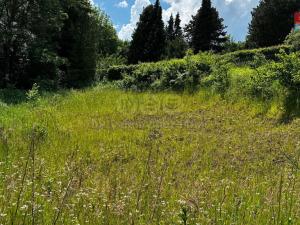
264	84
114	73
288	70
246	56
177	74
293	39
143	76
240	81
288	73
219	79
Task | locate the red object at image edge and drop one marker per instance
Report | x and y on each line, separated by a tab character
297	17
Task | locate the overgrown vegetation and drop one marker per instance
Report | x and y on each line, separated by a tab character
130	158
261	29
210	138
267	74
54	43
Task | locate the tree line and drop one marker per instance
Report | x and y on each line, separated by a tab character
272	21
58	43
53	42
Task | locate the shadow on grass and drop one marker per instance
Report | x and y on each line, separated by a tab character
291	107
12	96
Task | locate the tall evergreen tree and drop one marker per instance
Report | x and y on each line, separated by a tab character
176	45
177	26
272	20
157	38
148	39
206	30
170	28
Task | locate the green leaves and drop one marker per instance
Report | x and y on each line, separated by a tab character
293	39
149	38
271	22
206	30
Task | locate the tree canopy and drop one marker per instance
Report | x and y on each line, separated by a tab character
149	37
55	42
206	30
272	21
176	45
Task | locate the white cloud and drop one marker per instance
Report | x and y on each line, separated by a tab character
236	13
122	4
137	8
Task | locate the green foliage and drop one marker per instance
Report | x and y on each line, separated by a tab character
108	41
105	63
15	35
288	70
143	77
79	43
176	46
117	72
266	75
102	155
149	38
33	93
45	63
180	74
293	40
264	84
206	30
170	29
219	79
232	46
271	22
52	42
243	57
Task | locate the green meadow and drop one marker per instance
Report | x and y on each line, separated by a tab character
107	156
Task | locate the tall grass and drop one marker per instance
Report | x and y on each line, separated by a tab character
104	156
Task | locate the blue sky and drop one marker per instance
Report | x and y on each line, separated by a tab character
125	13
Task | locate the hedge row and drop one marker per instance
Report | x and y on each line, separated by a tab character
116	72
239	57
245	56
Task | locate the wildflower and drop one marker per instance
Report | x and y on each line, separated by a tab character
24	207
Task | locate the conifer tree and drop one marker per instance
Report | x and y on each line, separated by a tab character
157	37
206	30
149	38
176	45
170	28
177	27
272	21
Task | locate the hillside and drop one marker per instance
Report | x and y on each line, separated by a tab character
105	156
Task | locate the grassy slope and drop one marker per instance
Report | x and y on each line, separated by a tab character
104	156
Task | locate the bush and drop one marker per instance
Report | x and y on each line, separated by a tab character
144	76
288	70
246	56
115	73
293	39
265	84
174	74
219	79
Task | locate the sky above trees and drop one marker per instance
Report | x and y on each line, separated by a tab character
125	13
